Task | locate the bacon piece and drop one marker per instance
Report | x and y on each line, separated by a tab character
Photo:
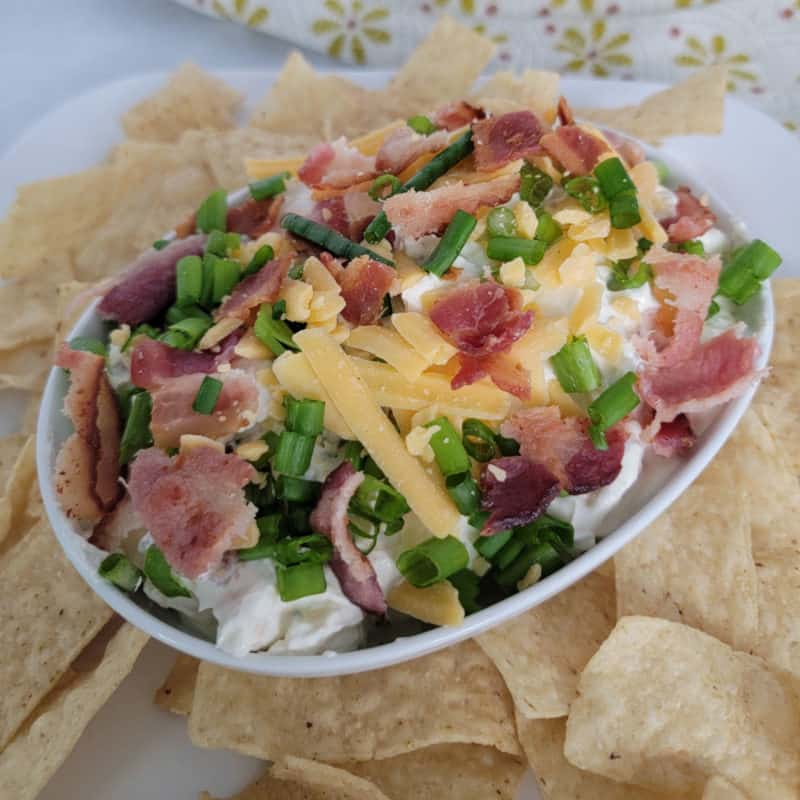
516	491
87	466
263	287
714	372
172	414
500	140
577	150
456	115
348	213
632	152
153	362
336	165
254	217
506	373
415	213
147	287
565	115
674	438
192	504
364	284
403	146
564	447
352	568
692	218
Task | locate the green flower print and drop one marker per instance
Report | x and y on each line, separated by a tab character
690	3
466	7
242	11
350	24
697	54
592	50
587	6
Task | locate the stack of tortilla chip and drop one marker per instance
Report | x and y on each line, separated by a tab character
673	676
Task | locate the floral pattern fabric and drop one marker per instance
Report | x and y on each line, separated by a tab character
663	40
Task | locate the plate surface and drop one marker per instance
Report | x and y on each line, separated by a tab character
152	755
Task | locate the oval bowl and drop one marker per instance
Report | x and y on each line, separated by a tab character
660	484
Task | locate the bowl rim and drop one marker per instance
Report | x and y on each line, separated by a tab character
410	647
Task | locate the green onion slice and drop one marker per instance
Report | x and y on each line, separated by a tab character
534	185
177	314
622	278
446	444
305	416
160	244
297	490
547	229
616	402
263	255
117	569
575	368
464	492
185	335
88	344
269	187
271	528
375	499
227	273
213	212
421	124
613	178
274	333
501	222
467	584
294	452
479	440
380	183
586	190
624	211
747	268
207	395
713	309
507	446
301	580
693	247
451	243
432	561
136	434
507	248
354	453
158	571
189	272
313	548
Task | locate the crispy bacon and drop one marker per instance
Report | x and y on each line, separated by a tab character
336	165
565	115
87	466
500	140
416	213
263	287
515	490
632	152
564	447
364	284
505	372
456	115
147	287
674	438
348	213
254	217
153	362
172	414
352	568
692	218
577	150
403	146
192	504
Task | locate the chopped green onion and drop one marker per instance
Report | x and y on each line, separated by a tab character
507	248
432	561
269	187
479	440
264	254
643	245
88	344
624	211
177	314
207	395
451	243
613	178
116	569
371	468
662	171
136	434
478	519
541	553
501	222
575	368
279	309
621	277
271	528
467	584
261	495
299	519
354	453
693	247
300	580
450	454
160	244
227	273
216	243
189	271
421	124
534	185
547	229
213	212
158	571
616	402
749	266
305	416
382	181
141	330
464	492
713	309
293	456
185	335
507	446
586	190
310	549
274	333
509	552
296	271
376	499
125	393
209	262
435	168
297	490
489	546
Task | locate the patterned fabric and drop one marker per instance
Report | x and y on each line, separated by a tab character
663	40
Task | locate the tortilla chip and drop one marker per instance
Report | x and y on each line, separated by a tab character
719	789
667	707
695	563
536	90
73	299
465	771
26	367
694	106
191	98
443	67
29	307
455	695
777	404
543	743
539	661
177	691
15	517
786	293
49	615
53	730
31	417
9	450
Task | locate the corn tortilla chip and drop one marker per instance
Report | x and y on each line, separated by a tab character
49	615
29	309
31	414
541	653
694	106
695	563
26	366
9	450
667	706
55	726
455	695
73	299
720	789
177	691
191	98
777	404
16	515
536	90
786	293
543	743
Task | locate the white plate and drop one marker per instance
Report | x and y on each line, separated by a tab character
150	754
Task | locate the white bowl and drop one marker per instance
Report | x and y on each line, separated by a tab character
661	482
